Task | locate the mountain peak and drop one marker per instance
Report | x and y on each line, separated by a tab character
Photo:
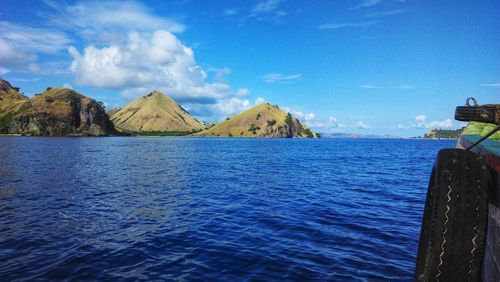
263	120
155	112
155	94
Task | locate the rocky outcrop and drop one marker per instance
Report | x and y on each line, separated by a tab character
293	130
58	112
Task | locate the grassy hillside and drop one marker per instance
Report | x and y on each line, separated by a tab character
56	102
55	112
443	134
10	98
11	102
264	120
111	112
155	112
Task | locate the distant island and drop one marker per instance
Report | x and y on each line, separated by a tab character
358	136
264	120
65	112
443	134
431	134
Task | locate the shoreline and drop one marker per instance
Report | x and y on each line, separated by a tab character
218	137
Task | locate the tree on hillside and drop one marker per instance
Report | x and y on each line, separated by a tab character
288	119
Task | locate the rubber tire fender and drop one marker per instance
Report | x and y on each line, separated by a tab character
453	232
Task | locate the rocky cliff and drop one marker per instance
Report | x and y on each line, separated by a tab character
56	112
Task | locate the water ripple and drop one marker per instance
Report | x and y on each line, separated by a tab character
211	209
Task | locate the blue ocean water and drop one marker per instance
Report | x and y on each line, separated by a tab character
211	209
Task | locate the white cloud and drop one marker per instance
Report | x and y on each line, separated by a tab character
265	6
220	73
334	123
243	92
34	68
4	70
144	63
9	56
420	119
125	47
267	10
221	109
259	101
345	25
33	79
20	44
105	19
363	125
447	123
368	86
491	85
310	117
230	12
278	77
67	85
421	122
386	13
231	106
331	124
297	114
366	4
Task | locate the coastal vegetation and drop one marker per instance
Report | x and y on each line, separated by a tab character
443	134
308	133
5	121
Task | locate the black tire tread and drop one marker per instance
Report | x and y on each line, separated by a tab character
454	225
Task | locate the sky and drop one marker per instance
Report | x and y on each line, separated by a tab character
362	66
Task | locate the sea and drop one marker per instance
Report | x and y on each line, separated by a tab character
211	209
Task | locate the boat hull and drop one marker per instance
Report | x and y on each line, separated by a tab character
490	151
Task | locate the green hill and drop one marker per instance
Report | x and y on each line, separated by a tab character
443	134
55	112
264	120
11	102
155	113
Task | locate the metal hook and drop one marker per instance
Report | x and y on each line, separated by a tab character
467	102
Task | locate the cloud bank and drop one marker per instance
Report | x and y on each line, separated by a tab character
421	122
156	61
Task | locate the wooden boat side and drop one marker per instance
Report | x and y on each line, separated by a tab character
490	151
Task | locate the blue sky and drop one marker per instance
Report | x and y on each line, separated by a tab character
368	66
